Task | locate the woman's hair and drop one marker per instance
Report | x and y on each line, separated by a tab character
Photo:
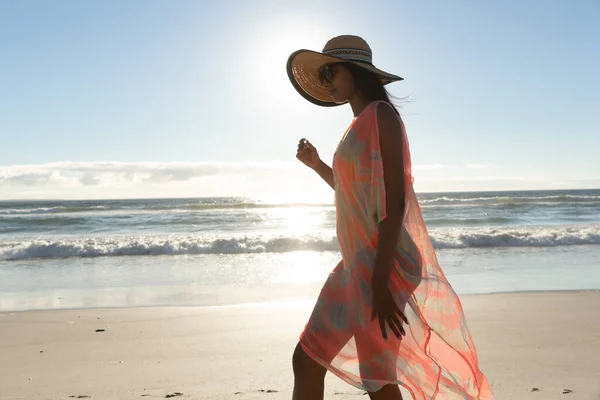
369	85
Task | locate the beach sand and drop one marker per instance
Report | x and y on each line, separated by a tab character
543	345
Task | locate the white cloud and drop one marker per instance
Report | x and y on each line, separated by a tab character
154	179
438	167
476	166
283	181
431	167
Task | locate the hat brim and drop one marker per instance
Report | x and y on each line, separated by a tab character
303	68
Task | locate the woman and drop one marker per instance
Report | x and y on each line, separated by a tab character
386	315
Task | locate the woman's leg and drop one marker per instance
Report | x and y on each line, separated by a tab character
309	376
388	392
325	335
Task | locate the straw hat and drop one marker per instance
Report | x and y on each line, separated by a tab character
303	66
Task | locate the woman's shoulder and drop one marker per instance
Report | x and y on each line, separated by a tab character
376	113
377	109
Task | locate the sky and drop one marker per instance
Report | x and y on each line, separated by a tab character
150	98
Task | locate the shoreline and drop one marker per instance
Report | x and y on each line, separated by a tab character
305	300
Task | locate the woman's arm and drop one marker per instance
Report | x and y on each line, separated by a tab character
390	143
389	215
325	172
308	154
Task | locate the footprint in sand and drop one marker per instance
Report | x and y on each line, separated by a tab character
350	394
260	391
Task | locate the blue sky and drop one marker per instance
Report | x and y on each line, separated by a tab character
502	96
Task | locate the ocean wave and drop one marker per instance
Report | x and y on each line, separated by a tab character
144	208
440	221
510	200
50	210
171	245
9	209
236	206
515	237
156	245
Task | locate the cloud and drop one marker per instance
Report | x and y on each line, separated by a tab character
28	178
277	181
438	167
150	179
95	173
89	179
476	166
431	167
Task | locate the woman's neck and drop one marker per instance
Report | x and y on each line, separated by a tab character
358	104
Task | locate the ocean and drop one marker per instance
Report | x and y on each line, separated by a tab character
220	251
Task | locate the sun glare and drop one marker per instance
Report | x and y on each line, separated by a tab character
270	47
312	197
304	267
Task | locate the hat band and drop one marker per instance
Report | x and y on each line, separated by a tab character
351	54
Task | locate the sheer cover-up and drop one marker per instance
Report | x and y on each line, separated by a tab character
437	358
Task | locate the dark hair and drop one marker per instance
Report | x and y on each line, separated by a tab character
369	85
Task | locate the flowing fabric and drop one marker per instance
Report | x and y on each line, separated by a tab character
437	358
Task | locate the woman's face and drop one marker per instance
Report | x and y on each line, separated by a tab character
339	81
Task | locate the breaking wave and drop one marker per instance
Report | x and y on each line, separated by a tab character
180	245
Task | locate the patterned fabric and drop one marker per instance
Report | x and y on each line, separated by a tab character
437	358
351	54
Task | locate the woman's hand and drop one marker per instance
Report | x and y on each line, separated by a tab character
386	310
308	154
